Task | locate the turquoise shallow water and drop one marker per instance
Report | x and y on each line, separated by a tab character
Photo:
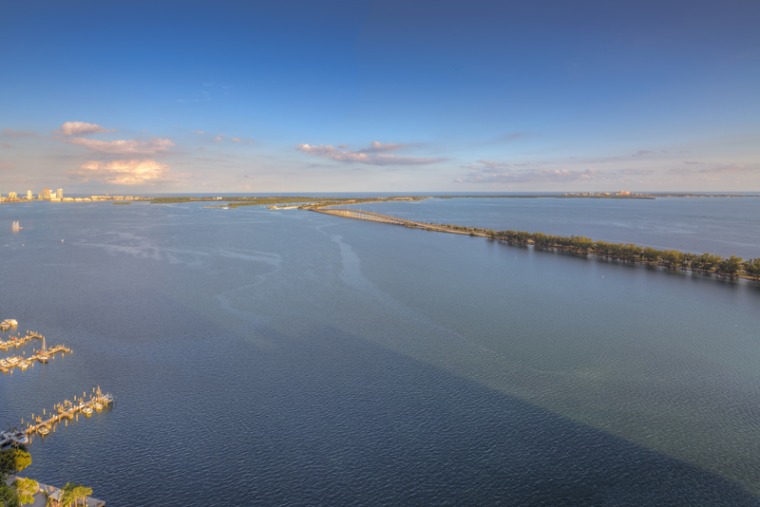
292	358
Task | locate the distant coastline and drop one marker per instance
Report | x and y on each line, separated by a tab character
232	200
732	267
707	264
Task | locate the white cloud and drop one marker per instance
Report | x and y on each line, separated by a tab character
125	146
375	154
123	172
378	147
80	128
503	172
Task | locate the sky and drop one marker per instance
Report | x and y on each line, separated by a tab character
179	96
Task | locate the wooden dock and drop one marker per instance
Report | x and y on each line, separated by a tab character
86	404
15	342
43	355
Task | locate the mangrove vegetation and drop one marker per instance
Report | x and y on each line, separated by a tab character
731	267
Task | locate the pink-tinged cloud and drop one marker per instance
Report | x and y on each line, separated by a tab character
16	134
375	154
696	167
495	172
125	146
123	172
81	128
378	147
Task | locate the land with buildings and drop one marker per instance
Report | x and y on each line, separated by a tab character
47	194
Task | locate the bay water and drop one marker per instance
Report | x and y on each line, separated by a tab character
266	357
720	225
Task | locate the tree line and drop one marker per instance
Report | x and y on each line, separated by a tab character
674	260
23	490
729	267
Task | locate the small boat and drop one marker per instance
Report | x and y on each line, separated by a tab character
98	406
24	364
43	430
8	324
87	410
15	436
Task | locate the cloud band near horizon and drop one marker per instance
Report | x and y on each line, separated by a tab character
375	154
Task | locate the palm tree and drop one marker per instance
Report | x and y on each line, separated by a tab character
72	493
26	489
81	493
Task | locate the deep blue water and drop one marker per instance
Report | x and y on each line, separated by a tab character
293	358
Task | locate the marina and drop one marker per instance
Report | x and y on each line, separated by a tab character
7	364
44	423
415	375
17	341
43	355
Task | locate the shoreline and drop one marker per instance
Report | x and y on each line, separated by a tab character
708	265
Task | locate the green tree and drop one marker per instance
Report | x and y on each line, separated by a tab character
687	261
67	494
706	262
671	259
81	493
730	267
13	461
72	493
8	497
752	268
26	489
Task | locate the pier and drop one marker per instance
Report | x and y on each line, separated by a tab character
17	341
86	404
43	355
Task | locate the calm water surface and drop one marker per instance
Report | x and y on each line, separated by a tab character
724	226
292	358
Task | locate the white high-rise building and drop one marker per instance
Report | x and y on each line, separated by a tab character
59	194
29	195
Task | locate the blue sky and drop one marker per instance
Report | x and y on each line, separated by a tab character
300	96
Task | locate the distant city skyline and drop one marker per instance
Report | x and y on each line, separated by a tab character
380	96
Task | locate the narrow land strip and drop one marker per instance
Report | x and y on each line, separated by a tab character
672	260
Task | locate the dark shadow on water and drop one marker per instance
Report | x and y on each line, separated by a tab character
335	420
